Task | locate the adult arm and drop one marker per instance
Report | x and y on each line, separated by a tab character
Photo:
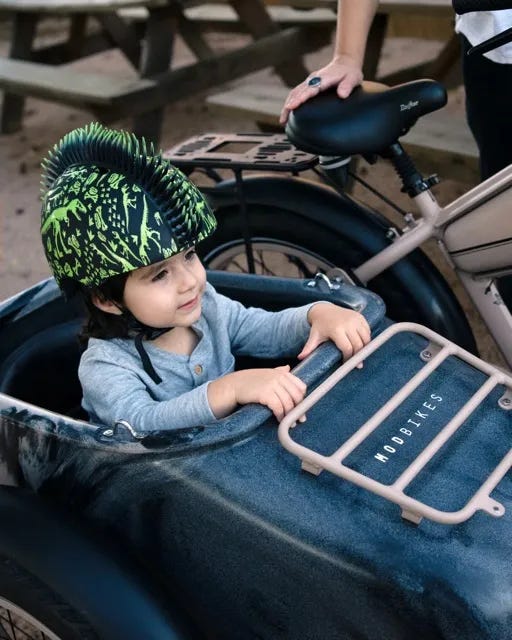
345	69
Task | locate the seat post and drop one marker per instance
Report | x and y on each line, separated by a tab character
413	183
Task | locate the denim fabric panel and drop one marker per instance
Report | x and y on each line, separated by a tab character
458	469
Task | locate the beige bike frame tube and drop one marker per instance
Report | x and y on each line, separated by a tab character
432	222
426	228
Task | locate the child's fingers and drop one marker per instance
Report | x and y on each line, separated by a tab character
285	398
297	384
363	329
344	345
356	341
273	402
289	391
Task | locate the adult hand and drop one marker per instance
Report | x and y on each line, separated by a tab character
342	72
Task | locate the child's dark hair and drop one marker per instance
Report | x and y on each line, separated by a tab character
100	324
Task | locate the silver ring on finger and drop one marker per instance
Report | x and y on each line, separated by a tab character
314	81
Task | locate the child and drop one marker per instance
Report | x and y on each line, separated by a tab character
120	225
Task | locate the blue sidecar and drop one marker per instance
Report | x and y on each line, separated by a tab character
215	532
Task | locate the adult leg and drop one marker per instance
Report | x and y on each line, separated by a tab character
488	107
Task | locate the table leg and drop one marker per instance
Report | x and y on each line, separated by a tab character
445	68
123	35
23	33
255	17
156	58
194	39
373	52
77	35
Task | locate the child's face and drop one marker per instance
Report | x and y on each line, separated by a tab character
168	293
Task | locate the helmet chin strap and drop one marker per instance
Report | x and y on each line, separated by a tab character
146	360
143	332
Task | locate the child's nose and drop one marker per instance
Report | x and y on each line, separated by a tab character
187	279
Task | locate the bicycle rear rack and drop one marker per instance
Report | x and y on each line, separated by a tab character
414	510
240	152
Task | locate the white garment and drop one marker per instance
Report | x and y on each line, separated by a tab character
478	26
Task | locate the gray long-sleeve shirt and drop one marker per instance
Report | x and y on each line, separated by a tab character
116	387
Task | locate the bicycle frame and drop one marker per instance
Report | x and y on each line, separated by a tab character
477	278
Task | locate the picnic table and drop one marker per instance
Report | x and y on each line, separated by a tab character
144	30
147	45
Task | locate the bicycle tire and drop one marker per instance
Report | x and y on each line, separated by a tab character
313	219
30	608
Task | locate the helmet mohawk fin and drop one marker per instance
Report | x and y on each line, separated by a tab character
117	151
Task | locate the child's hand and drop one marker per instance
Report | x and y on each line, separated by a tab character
277	389
346	328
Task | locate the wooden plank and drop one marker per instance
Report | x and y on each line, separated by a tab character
123	35
75	6
23	34
438	143
127	96
262	106
399	7
218	15
436	27
66	85
60	53
445	67
253	14
205	74
157	54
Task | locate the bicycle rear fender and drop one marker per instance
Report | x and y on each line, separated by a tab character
85	569
417	276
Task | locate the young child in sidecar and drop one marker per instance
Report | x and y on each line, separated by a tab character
120	225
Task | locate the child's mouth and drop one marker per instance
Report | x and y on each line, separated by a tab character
190	304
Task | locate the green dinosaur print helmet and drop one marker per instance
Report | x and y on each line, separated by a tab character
112	205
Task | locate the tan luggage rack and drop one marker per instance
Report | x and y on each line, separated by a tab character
438	350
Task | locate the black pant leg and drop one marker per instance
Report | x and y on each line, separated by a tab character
489	112
489	109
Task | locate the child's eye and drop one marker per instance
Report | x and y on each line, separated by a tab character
191	254
159	276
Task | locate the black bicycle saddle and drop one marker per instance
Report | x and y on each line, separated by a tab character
371	119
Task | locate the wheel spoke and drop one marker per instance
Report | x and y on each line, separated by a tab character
301	267
271	258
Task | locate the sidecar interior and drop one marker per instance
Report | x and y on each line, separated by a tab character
42	368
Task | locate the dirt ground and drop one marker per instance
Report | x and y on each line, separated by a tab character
22	261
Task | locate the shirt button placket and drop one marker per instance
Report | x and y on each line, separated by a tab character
198	369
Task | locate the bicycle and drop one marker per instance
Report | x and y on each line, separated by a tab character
315	228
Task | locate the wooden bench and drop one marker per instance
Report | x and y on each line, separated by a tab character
222	17
92	91
25	70
439	143
425	19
